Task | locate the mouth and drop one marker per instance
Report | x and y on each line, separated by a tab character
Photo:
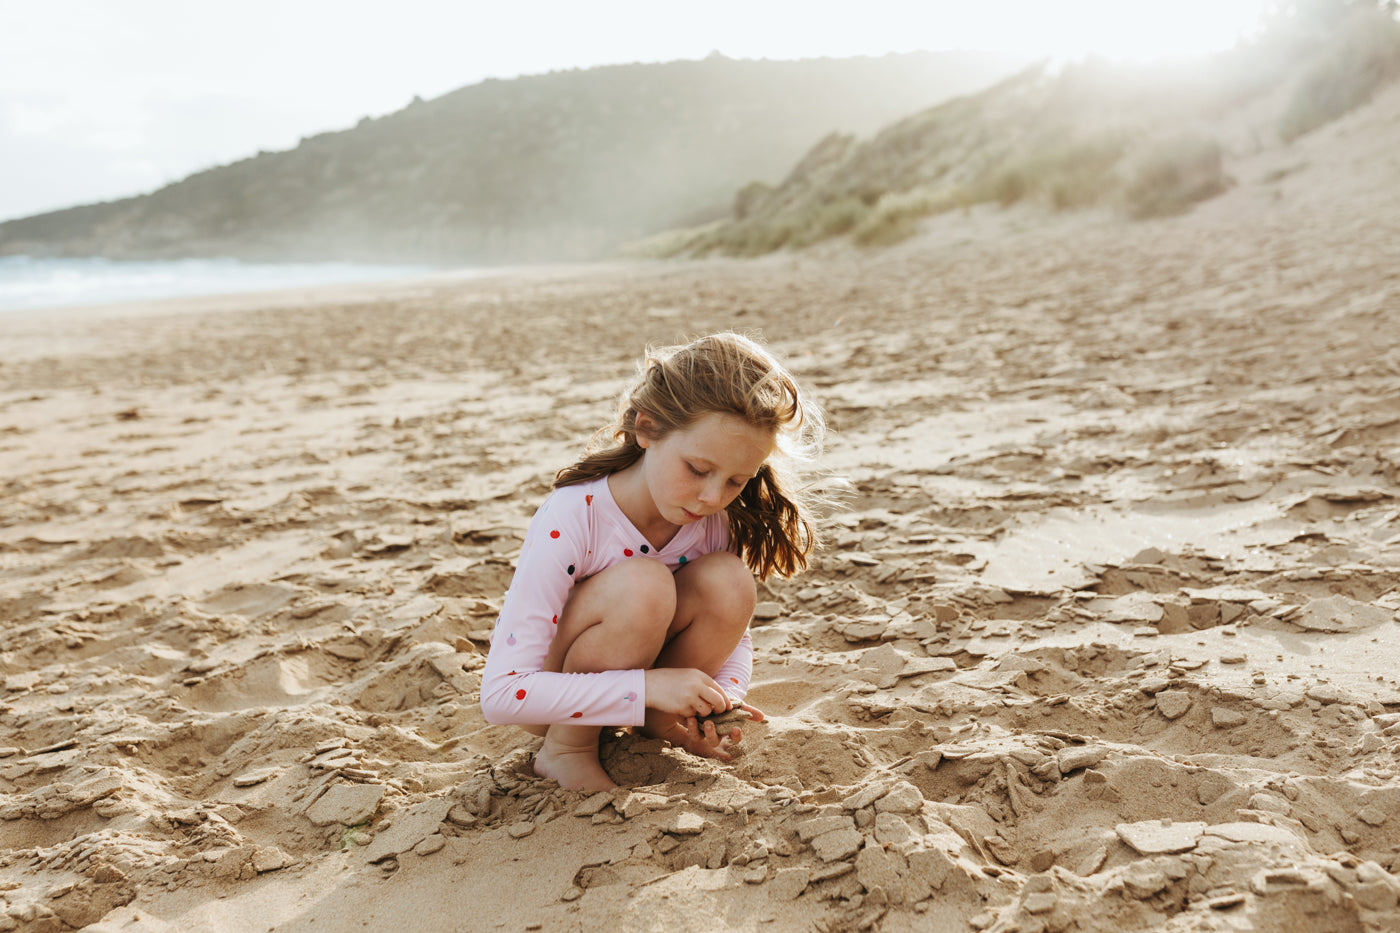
691	515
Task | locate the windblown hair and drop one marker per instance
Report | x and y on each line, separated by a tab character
770	521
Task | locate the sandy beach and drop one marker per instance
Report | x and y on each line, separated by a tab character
1105	637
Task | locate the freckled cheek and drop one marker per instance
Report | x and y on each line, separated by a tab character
679	485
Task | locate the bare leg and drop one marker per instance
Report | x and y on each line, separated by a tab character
715	596
616	620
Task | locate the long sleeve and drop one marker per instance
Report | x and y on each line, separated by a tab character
514	688
737	671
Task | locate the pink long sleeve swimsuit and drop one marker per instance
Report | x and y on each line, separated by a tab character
577	532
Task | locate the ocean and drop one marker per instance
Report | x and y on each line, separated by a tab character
28	283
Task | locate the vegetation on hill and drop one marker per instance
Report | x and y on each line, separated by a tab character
1145	141
551	167
1363	55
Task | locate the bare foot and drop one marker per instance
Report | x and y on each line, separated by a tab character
574	765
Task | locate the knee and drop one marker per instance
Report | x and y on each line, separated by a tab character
642	594
617	618
726	588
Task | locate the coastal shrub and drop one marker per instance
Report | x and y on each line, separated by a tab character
1175	175
1008	186
749	238
834	218
760	234
749	197
885	229
670	243
1063	177
1084	177
897	214
1362	56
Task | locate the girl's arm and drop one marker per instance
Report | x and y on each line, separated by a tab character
736	672
514	687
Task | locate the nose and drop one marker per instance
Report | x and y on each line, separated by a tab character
709	493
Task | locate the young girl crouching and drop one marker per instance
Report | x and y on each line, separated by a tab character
631	601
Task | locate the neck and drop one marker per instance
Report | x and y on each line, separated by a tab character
629	491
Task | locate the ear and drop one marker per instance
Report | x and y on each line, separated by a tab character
645	429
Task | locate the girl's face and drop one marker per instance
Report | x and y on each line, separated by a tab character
697	471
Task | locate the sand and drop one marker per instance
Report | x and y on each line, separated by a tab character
1105	638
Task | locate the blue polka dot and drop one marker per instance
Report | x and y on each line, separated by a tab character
683	558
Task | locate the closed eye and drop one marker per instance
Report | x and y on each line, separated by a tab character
694	471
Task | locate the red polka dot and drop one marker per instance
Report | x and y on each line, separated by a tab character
576	716
588	499
555	620
733	680
627	552
520	694
554	534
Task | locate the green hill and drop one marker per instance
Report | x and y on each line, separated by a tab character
561	166
1143	141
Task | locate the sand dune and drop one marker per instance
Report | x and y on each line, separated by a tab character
1105	639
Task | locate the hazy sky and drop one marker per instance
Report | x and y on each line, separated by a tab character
102	99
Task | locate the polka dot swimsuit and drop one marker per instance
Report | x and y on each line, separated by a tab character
577	532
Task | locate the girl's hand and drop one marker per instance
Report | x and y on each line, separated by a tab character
697	736
684	692
739	712
714	737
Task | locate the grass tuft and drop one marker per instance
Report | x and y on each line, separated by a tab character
1065	176
896	215
1174	176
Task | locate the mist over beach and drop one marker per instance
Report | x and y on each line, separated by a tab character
27	283
1103	632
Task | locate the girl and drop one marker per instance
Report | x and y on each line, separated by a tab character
631	601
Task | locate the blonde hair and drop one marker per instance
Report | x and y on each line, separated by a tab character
770	521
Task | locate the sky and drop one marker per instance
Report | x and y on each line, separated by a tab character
101	99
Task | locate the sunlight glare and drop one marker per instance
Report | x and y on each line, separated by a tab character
1125	31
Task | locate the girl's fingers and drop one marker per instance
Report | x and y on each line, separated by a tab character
715	747
702	737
